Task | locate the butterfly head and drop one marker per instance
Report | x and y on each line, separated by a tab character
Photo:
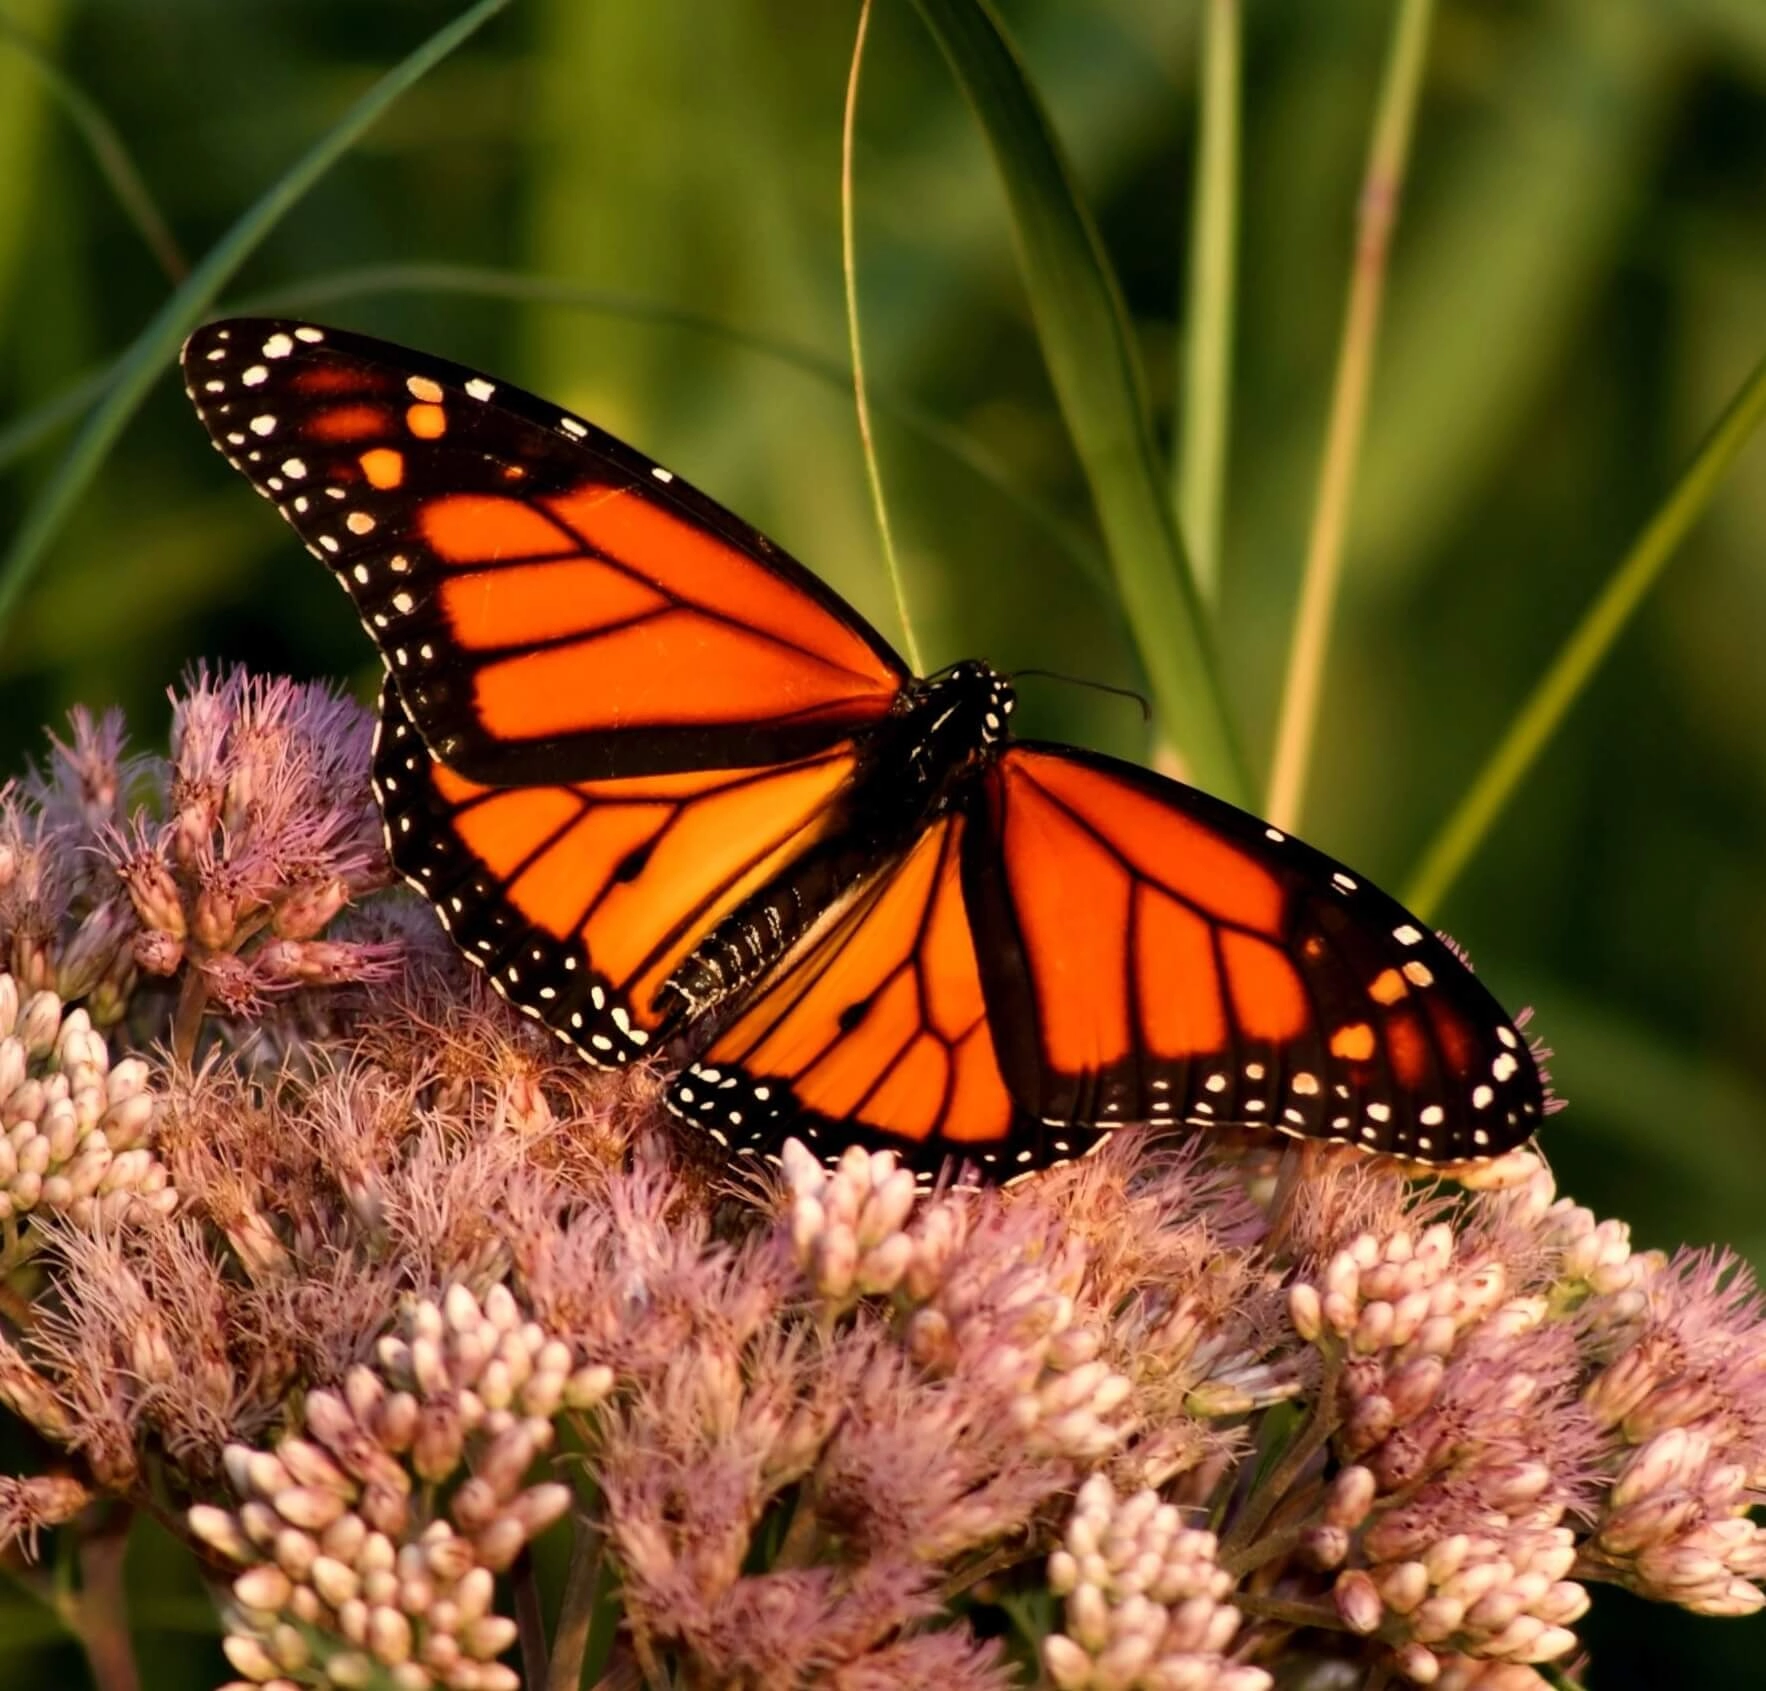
968	708
945	729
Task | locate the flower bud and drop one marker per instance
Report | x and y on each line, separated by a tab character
1358	1601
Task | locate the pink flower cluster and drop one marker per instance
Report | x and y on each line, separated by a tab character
376	1299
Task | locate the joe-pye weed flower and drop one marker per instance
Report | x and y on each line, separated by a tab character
317	1253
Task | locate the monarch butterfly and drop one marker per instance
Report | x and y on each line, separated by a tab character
677	798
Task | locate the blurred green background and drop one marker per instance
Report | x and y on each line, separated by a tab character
1578	285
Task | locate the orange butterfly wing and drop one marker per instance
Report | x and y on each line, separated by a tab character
879	1035
1152	954
578	898
553	605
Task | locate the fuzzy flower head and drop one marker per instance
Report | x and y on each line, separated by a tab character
66	923
1453	1399
269	832
1683	1412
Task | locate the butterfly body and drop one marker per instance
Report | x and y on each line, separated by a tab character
681	802
923	759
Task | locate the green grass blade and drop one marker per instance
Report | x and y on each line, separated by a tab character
24	121
24	433
1087	343
1206	375
113	159
1591	640
1382	190
157	344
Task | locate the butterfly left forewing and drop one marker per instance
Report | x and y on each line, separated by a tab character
1152	954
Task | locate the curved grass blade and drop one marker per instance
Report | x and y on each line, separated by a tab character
906	412
113	159
156	346
1086	341
910	643
1591	640
36	425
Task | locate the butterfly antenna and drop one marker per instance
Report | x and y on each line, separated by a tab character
1096	686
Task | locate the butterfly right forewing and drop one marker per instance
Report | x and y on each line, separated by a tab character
552	605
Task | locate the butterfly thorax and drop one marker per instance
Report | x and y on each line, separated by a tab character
943	732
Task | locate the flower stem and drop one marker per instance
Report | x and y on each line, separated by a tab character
1289	1611
1241	1537
1271	1545
530	1621
800	1536
996	1561
576	1609
187	1021
101	1611
1381	189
